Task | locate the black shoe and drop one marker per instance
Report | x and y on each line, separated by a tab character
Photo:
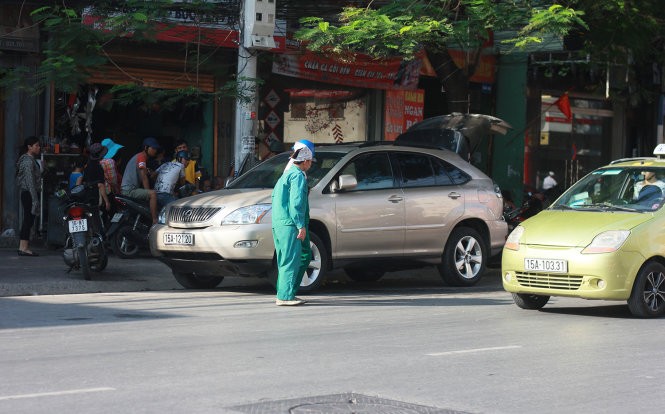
24	253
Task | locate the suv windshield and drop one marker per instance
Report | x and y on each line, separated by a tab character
616	188
266	174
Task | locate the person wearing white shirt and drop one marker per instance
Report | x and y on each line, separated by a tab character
168	175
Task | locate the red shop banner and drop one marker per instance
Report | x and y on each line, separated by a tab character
363	72
219	35
403	109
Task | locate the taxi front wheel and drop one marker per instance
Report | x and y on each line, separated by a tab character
531	302
648	296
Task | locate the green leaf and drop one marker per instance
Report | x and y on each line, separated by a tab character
323	26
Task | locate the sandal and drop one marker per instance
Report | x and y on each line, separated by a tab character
26	253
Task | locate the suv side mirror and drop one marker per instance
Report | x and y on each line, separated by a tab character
346	182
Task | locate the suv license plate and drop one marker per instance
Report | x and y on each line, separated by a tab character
76	226
186	239
546	265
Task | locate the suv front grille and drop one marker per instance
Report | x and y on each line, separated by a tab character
550	281
191	214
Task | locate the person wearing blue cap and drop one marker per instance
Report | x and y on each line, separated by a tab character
111	174
135	180
290	225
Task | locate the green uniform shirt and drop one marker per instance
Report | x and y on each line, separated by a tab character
290	206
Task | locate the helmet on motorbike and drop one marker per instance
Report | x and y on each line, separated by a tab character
182	154
68	256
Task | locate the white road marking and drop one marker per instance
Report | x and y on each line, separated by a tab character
468	351
55	393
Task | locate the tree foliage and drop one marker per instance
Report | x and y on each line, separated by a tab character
73	50
402	27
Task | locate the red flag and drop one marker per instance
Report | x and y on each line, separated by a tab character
563	103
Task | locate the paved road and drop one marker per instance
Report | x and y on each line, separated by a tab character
234	351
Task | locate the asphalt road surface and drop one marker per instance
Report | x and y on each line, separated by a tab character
407	344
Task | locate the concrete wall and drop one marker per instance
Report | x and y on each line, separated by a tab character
23	117
318	128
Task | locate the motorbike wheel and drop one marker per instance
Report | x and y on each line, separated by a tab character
316	273
193	281
102	262
83	262
124	245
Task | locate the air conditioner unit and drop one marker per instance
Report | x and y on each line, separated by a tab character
260	23
263	42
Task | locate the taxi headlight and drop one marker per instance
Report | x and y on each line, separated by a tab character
607	241
248	215
513	240
161	218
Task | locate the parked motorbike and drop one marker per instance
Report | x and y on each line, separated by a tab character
84	247
130	225
532	205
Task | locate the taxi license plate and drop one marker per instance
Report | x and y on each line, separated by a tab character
186	239
546	265
76	226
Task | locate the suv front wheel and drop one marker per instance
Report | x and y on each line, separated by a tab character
316	273
464	258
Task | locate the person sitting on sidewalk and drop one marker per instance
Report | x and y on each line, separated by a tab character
168	175
135	180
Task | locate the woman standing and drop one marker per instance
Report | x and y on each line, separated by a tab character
27	174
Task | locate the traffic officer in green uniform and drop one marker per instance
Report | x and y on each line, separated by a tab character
290	224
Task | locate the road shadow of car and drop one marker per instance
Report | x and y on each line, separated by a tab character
602	311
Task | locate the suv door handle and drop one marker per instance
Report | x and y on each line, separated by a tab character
395	199
454	195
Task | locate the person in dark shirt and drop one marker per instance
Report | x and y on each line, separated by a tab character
93	173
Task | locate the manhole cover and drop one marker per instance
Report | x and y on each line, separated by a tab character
348	403
351	407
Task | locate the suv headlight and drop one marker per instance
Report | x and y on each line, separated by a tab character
248	215
607	241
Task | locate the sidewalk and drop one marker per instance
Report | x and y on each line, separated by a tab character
47	275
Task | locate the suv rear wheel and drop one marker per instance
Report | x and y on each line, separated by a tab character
464	258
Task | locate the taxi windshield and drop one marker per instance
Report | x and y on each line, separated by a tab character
613	188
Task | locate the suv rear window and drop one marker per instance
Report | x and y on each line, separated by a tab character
420	170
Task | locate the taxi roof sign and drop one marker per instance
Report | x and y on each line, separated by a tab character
659	151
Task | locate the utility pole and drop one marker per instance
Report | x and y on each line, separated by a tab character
257	26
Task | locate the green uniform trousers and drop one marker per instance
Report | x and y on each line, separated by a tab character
293	257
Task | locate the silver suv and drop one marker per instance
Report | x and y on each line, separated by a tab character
374	207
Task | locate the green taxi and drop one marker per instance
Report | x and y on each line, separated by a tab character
604	238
